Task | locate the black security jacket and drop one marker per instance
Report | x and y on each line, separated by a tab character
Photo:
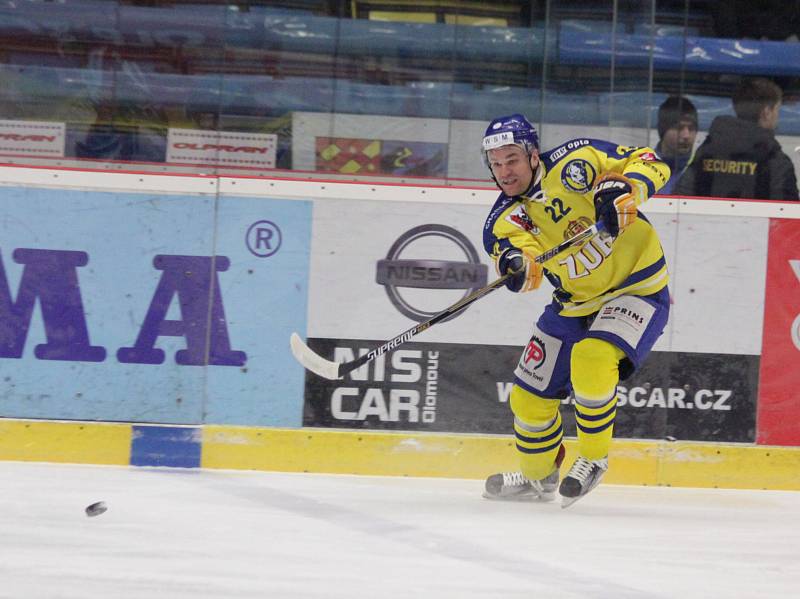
739	159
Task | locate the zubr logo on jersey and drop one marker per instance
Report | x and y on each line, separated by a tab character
396	272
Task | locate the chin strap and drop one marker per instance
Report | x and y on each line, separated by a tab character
537	196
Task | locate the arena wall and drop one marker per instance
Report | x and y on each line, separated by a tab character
147	320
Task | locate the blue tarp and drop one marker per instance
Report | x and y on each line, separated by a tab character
214	27
206	29
697	54
217	27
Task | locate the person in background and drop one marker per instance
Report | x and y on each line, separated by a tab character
677	131
123	133
109	136
610	302
740	157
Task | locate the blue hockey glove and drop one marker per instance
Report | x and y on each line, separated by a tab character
616	199
529	273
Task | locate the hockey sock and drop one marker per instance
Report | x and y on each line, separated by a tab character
595	374
595	428
538	432
538	448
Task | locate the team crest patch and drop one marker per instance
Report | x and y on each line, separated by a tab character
520	218
574	227
578	175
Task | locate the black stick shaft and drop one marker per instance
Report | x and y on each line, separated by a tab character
416	329
464	302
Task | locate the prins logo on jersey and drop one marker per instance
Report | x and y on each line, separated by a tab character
578	175
535	353
51	277
617	311
648	157
394	272
520	218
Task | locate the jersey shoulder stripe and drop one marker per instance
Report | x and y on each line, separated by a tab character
501	205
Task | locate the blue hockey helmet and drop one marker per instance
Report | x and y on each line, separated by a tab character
507	130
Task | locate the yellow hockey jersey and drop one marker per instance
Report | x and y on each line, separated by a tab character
560	204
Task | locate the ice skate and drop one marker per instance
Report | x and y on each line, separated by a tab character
513	486
584	476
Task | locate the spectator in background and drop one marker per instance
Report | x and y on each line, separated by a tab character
740	157
124	133
677	131
108	138
206	120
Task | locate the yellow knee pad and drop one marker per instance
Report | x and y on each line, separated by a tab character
594	365
531	408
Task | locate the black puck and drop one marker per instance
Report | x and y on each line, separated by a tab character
96	509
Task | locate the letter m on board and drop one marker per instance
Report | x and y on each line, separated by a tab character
51	276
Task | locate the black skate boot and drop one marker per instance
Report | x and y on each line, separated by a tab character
584	476
513	486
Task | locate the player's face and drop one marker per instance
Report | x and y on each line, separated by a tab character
512	169
679	139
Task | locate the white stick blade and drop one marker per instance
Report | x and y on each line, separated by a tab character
311	360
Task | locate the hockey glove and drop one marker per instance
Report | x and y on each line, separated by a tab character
528	273
616	199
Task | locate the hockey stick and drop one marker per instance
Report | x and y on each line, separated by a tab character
336	370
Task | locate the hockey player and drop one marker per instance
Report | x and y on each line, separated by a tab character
610	302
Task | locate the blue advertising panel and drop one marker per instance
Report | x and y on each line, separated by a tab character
151	307
269	241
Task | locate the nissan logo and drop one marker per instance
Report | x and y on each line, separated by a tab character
395	272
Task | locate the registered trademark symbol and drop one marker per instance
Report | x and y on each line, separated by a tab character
263	238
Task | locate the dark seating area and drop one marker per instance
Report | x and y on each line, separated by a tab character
250	62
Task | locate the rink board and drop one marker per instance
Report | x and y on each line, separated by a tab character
431	408
632	462
180	312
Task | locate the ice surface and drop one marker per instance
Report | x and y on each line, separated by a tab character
193	534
